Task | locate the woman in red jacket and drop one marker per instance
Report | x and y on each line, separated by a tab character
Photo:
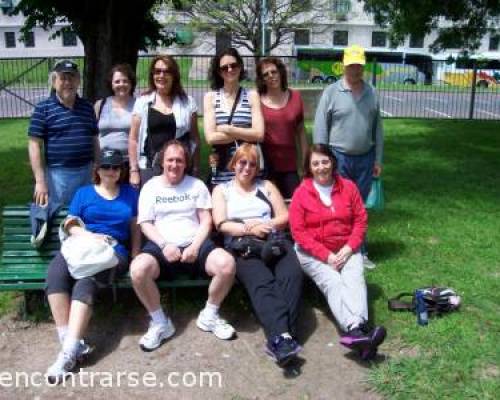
328	222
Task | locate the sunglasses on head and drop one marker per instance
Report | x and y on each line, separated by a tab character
225	68
243	163
159	71
108	167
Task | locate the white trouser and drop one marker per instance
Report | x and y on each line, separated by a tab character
345	291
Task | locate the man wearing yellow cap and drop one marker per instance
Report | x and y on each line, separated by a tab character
348	119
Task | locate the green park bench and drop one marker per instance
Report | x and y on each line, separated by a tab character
24	268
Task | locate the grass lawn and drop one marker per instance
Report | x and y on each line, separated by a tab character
440	226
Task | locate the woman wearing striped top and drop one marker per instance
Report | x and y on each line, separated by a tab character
225	129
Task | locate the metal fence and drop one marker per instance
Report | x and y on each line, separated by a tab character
406	91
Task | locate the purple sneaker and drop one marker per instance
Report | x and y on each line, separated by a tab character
366	343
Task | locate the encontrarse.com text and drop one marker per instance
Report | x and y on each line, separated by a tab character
82	378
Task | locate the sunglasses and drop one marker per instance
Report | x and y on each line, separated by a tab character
160	71
243	163
108	167
225	68
269	74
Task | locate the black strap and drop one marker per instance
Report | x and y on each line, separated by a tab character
263	197
230	119
396	304
101	106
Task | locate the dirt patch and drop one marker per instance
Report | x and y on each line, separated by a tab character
240	369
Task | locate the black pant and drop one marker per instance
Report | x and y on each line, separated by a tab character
274	291
286	182
59	279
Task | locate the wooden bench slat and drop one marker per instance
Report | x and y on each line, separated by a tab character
9	247
22	286
23	267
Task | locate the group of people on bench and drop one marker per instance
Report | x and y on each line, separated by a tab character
129	170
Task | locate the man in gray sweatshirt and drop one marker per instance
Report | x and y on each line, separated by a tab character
348	119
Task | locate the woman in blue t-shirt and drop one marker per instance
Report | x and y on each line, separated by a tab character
108	210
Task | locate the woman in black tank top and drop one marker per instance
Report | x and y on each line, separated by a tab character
167	113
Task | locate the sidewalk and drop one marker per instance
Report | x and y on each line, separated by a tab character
238	369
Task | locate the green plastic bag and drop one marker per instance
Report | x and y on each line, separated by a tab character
375	200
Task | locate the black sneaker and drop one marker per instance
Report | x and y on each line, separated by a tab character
282	349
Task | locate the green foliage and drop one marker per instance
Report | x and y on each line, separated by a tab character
469	20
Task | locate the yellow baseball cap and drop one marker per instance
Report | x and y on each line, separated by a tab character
354	55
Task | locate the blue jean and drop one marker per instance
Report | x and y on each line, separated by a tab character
64	182
358	169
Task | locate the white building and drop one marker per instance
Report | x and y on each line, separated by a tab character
38	44
343	23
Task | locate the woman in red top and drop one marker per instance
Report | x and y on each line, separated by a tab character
283	113
328	223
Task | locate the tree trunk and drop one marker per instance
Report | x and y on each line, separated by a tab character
114	37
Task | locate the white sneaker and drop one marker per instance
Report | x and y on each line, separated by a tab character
156	335
218	326
63	366
368	264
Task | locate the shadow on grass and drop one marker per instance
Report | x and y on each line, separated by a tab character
439	160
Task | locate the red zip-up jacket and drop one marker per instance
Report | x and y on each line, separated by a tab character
320	230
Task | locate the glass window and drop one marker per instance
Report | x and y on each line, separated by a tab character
379	39
69	39
341	6
340	38
302	37
29	39
416	42
10	39
494	41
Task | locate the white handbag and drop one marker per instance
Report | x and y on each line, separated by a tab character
87	255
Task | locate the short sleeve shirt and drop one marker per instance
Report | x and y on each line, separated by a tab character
68	133
109	217
174	209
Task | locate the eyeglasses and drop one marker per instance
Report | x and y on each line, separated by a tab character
225	68
108	167
160	71
269	74
243	163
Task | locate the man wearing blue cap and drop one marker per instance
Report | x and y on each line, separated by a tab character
62	139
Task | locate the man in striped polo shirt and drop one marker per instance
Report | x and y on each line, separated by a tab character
62	139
